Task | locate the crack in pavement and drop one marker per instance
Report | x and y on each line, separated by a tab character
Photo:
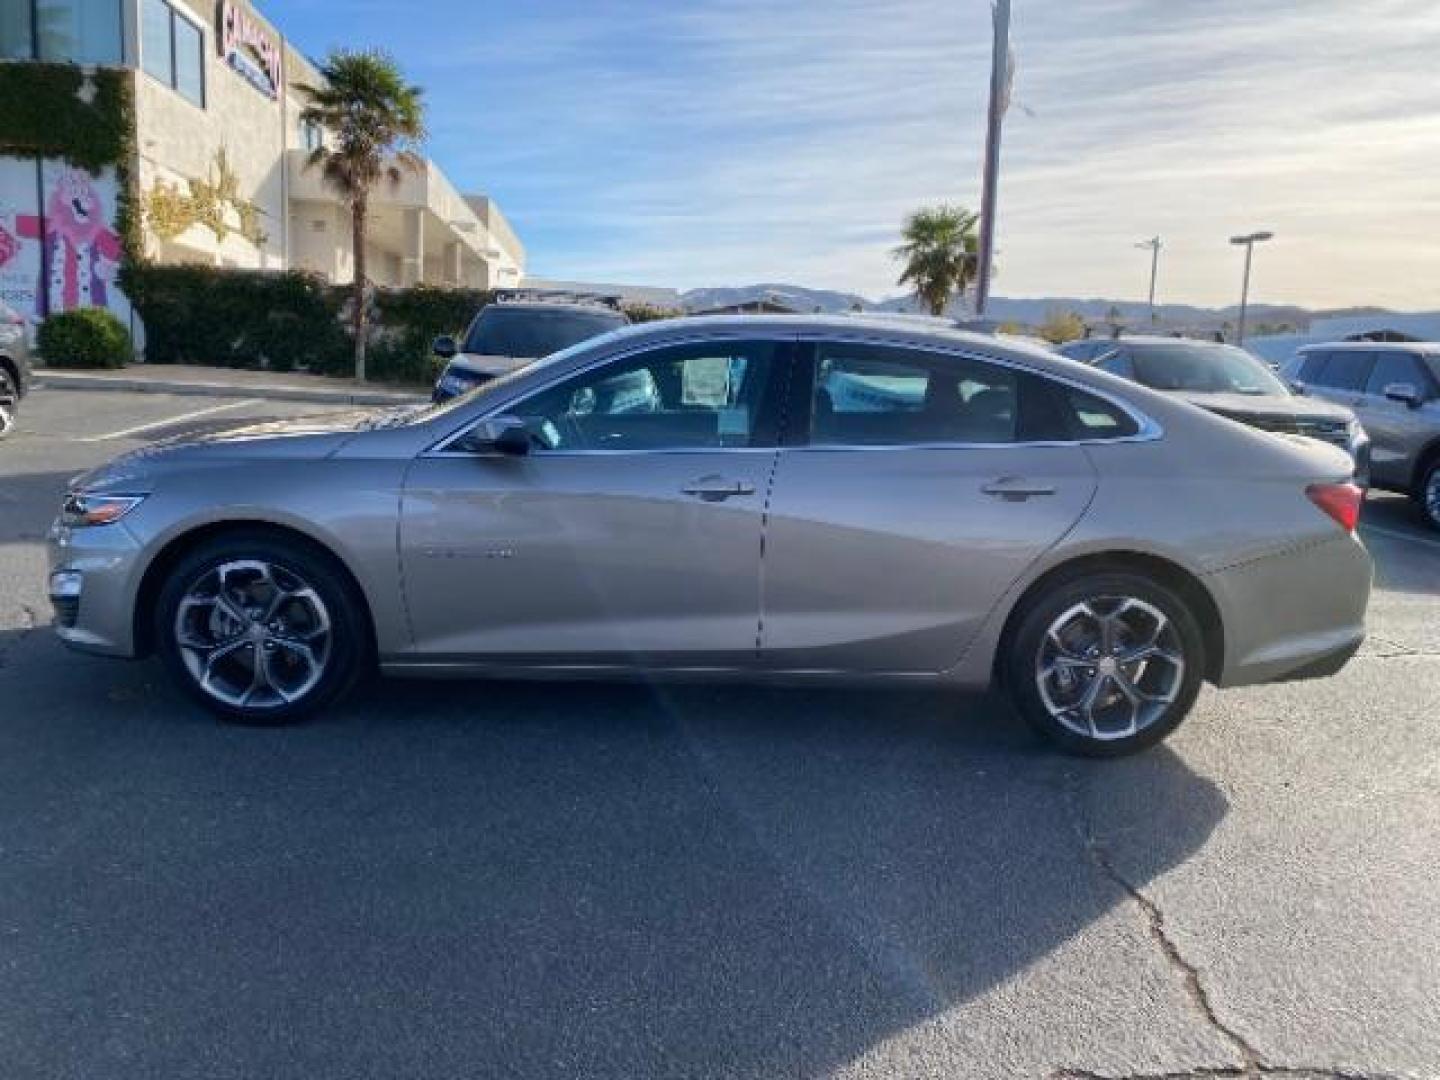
1254	1065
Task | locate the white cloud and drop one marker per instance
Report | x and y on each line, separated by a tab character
741	141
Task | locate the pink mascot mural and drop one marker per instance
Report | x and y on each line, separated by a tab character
82	251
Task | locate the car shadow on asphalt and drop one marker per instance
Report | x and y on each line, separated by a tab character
526	879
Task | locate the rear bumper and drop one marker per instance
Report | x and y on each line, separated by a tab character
1296	614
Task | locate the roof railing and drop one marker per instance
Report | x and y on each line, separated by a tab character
558	296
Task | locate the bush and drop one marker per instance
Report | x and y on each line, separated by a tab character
409	321
639	312
239	318
84	338
224	317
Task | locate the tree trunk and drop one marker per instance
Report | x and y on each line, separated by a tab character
361	315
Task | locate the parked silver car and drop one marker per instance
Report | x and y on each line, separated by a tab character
786	498
1394	388
1229	381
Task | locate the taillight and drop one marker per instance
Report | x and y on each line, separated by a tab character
1340	501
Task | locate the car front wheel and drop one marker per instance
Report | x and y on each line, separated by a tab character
259	629
1106	664
9	401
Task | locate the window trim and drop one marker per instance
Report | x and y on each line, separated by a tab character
1147	429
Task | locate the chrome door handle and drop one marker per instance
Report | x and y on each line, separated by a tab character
1016	489
717	488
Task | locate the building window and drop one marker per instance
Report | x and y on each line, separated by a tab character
82	31
17	31
311	136
173	50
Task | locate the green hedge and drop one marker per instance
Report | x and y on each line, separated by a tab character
280	321
410	320
238	318
84	338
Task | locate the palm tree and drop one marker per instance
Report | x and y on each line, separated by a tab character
939	254
374	122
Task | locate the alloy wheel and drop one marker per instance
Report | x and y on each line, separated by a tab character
8	399
253	635
1110	667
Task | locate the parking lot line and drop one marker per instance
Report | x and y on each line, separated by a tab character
1396	534
141	429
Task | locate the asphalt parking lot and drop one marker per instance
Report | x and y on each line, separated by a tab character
514	880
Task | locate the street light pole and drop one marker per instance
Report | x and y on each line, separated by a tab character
999	102
1248	242
1154	245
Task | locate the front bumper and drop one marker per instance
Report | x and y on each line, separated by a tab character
94	578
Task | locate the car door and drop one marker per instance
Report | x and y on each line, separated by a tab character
629	535
922	485
1398	431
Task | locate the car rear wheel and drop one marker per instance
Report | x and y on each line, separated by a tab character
9	401
259	629
1428	495
1106	664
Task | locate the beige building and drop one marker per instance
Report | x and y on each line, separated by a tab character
221	173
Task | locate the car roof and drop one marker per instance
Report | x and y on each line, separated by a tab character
1430	348
854	326
553	305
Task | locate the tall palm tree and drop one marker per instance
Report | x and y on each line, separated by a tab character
374	122
939	253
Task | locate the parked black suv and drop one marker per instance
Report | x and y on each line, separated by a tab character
521	326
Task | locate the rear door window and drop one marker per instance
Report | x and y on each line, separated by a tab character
878	395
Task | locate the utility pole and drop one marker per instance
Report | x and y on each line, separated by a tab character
999	102
1154	245
1247	241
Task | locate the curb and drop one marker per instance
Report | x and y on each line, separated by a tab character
51	380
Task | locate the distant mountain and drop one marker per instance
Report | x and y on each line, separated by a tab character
792	296
1028	311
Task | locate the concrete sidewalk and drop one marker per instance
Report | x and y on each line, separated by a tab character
227	382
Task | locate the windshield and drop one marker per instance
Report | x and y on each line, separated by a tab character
502	330
1214	369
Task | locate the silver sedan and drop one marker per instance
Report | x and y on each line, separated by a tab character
759	498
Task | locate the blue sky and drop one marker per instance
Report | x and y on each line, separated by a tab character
712	142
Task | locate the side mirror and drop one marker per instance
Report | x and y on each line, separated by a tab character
1404	393
506	435
444	347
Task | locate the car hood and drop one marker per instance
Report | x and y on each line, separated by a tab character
1266	406
303	438
490	366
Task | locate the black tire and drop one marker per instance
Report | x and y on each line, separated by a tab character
346	651
9	401
1427	494
1024	661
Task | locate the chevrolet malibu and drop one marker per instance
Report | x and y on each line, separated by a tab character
785	498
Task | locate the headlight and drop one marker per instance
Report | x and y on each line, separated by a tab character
82	509
454	384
